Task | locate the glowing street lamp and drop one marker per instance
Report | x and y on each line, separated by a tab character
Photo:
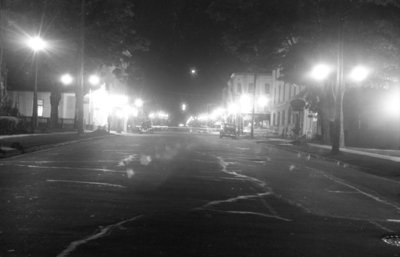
94	80
138	102
183	107
193	71
320	72
359	73
66	79
36	44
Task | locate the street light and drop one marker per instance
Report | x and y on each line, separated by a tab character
138	102
359	73
94	80
66	79
183	107
320	72
36	44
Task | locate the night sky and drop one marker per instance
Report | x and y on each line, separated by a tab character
181	40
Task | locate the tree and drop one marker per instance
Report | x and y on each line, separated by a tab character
108	38
313	31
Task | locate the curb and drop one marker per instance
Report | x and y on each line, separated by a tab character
15	152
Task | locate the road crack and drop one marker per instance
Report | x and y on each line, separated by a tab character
104	231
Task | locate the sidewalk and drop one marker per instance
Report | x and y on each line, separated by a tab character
17	144
383	163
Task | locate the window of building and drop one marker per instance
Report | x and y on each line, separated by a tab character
290	91
251	88
267	88
283	117
274	95
289	114
40	107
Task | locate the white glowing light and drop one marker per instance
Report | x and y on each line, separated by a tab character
392	105
36	43
139	103
320	72
233	108
203	117
152	115
184	107
245	103
359	73
66	79
94	80
263	101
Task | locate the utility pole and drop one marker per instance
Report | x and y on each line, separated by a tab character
2	68
80	84
253	109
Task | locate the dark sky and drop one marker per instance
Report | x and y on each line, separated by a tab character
183	36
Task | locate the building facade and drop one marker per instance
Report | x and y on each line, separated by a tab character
243	92
289	117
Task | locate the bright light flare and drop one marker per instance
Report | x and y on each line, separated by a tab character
263	101
138	102
320	72
94	80
359	73
245	103
203	117
184	107
36	43
233	108
392	105
66	79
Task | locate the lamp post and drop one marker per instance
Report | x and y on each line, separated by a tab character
36	44
357	74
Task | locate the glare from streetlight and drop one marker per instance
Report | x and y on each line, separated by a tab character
94	80
320	72
193	71
184	107
233	108
359	73
66	79
263	101
36	43
138	102
392	105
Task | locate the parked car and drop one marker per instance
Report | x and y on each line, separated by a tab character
146	127
228	130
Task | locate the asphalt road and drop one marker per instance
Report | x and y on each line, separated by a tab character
184	195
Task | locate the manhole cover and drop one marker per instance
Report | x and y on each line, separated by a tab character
392	240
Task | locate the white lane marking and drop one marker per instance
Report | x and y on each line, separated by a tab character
103	232
64	168
235	199
381	226
373	197
252	213
84	182
393	220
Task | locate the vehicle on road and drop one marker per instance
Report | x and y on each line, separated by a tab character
228	130
146	127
